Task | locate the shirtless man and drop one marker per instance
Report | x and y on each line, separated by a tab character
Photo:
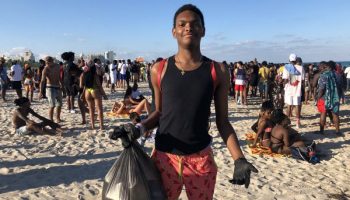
24	126
51	74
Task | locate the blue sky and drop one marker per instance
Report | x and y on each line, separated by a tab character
235	30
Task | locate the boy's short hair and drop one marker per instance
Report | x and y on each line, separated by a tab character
189	7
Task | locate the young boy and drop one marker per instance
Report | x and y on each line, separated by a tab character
24	126
184	88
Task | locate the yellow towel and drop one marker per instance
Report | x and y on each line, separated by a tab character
115	115
260	150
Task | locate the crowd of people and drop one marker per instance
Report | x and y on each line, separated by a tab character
77	81
290	85
176	89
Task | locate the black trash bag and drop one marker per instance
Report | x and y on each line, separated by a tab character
133	176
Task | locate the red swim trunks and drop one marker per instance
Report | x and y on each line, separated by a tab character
196	171
321	106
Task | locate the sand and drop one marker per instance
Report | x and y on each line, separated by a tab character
73	166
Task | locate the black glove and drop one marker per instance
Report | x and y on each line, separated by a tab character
127	133
133	131
117	133
241	174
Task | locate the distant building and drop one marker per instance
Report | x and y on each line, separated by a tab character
28	56
99	56
109	55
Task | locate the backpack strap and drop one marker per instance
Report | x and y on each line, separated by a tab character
213	75
160	71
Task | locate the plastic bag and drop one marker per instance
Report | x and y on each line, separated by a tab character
133	176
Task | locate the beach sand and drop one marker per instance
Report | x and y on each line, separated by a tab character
73	166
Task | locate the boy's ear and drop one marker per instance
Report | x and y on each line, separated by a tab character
173	32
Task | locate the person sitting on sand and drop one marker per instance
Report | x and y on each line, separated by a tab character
265	124
24	126
129	105
136	94
283	137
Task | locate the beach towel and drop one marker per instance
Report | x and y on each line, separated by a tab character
119	116
260	150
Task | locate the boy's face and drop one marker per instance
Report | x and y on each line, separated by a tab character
188	28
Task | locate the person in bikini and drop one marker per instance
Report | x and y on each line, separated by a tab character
51	74
184	86
129	105
93	91
264	125
28	81
25	126
283	137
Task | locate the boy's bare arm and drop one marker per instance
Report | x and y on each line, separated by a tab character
226	130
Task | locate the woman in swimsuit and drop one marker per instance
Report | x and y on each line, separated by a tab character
94	92
265	125
129	105
28	81
282	135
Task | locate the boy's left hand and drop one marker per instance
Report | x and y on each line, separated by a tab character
241	174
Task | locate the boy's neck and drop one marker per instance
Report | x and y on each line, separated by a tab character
189	55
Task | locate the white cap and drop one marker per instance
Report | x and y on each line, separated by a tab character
292	57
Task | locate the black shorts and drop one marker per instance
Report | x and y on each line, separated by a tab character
16	85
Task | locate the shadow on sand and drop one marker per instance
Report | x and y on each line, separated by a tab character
53	176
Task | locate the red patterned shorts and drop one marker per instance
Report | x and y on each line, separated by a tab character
196	171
